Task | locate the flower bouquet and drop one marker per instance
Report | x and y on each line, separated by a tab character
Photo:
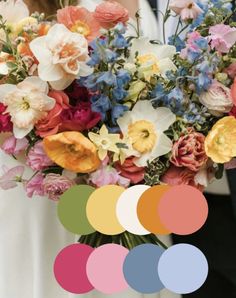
86	99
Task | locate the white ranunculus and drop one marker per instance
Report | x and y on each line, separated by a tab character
154	59
145	127
27	103
62	56
217	99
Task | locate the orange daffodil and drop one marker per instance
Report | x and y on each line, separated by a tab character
72	151
62	56
220	144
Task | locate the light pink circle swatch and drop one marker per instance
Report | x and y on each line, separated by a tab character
105	268
183	210
70	268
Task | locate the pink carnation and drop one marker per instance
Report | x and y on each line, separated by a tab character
222	37
55	185
5	120
14	146
34	187
189	151
51	123
37	158
110	13
187	9
180	176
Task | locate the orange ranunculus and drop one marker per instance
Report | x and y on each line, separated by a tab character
72	151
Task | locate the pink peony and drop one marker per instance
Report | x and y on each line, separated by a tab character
80	20
110	13
51	123
189	151
180	176
5	120
14	146
187	9
11	177
79	118
107	175
34	187
55	185
129	170
222	37
37	158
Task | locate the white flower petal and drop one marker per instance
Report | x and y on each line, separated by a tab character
143	110
3	69
164	51
56	33
124	122
165	65
63	83
20	133
163	146
34	84
13	11
164	119
5	89
85	70
50	72
40	50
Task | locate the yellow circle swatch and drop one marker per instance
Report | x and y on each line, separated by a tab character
101	210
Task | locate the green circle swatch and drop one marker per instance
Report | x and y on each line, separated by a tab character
71	209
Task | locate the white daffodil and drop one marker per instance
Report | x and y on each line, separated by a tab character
153	59
27	103
62	56
145	127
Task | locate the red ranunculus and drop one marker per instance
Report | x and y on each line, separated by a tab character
233	92
5	120
129	170
79	118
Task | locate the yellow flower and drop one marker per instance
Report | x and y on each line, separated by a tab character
72	151
105	142
220	144
134	91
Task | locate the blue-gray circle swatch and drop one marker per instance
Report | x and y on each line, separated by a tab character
140	268
183	268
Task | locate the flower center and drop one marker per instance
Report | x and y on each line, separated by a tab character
25	104
190	6
149	59
142	135
81	28
68	50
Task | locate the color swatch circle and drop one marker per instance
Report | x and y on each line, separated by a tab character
126	209
70	268
72	210
183	210
147	209
101	210
140	268
105	268
183	268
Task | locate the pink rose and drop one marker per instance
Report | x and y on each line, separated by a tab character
129	170
189	151
14	146
37	158
34	187
231	70
110	13
222	37
187	9
5	120
51	123
79	118
55	185
180	176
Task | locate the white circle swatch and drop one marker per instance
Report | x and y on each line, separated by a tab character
126	209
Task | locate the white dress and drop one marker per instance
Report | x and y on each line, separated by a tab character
31	235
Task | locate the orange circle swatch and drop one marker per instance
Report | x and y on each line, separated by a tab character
147	209
183	209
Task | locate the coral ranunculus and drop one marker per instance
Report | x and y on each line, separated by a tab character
233	92
220	144
72	151
80	20
129	170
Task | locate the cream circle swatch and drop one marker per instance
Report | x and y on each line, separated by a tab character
126	209
101	210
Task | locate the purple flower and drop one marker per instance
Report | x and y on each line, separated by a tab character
34	186
55	185
37	158
11	176
14	146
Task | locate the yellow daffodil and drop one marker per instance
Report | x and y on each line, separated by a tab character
220	144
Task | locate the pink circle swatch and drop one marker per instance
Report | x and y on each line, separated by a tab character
105	268
70	268
183	210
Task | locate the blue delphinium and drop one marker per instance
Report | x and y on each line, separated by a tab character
177	42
